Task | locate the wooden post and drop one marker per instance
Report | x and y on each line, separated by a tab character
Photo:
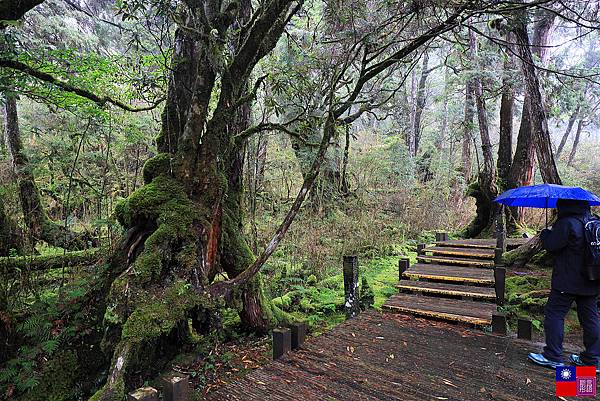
351	294
500	283
439	237
403	265
143	394
298	334
176	388
524	329
498	252
500	230
421	249
499	323
282	342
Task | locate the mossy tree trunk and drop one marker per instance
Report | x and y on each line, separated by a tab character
485	190
185	222
39	225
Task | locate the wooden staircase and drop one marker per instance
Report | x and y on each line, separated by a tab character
452	280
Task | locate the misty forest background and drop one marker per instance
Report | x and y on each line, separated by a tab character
159	160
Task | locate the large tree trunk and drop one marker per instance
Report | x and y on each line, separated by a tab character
11	237
580	125
537	111
185	222
486	189
507	102
565	136
38	224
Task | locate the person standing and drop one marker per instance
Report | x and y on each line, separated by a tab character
570	283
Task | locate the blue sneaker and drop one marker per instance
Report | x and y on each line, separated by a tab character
576	359
541	360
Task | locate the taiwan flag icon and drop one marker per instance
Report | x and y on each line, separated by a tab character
574	381
566	381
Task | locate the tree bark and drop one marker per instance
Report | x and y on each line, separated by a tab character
580	125
565	136
505	146
468	126
39	225
486	191
419	105
524	159
537	111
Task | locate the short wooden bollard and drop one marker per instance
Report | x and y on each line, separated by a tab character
298	334
499	323
421	249
403	265
439	237
143	394
500	284
524	329
351	294
176	388
282	342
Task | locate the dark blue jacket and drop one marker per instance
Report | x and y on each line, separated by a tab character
566	243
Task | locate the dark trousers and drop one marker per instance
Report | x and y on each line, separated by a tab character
557	307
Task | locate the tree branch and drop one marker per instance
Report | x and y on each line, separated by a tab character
44	76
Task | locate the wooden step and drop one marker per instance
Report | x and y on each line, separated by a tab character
481	253
511	243
462	274
428	287
458	310
455	261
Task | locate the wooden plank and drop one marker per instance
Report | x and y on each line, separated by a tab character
456	261
482	243
378	356
481	253
428	287
450	273
458	310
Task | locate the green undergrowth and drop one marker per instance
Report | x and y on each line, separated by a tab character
321	302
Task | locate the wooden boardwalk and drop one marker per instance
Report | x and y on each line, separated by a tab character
452	280
384	356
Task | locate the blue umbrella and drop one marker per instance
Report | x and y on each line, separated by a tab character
545	196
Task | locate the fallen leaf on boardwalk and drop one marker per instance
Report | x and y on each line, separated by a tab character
405	343
482	390
449	383
391	356
379	338
528	381
259	382
562	398
441	398
353	335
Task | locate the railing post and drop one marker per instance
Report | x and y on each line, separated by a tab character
403	265
500	230
500	283
298	334
176	388
524	329
498	253
351	295
143	394
439	237
421	249
499	323
282	342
